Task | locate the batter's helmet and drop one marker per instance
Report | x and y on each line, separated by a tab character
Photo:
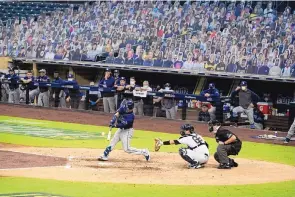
130	104
186	127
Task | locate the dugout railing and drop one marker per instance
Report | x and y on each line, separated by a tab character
184	98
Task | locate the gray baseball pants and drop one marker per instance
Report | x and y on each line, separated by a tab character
125	136
138	108
109	104
33	94
291	130
14	96
170	113
43	99
62	99
248	112
212	111
4	92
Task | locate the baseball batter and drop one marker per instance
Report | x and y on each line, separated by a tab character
123	120
196	153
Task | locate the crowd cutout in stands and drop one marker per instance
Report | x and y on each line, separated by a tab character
233	37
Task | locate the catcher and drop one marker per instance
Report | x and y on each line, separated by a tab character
196	153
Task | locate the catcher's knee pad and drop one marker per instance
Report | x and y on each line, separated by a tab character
183	154
216	157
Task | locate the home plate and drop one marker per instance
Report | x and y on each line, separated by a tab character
105	164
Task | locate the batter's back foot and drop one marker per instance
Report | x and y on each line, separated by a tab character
103	158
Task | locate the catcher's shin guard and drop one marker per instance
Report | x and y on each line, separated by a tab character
183	154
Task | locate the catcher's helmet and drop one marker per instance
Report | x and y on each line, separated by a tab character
186	127
130	104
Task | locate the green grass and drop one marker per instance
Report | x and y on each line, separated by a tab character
259	151
83	189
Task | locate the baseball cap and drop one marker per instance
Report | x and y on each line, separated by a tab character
42	70
243	83
108	70
167	85
70	76
123	78
211	85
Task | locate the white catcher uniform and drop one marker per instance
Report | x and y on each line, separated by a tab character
197	151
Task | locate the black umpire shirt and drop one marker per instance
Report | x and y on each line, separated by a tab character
224	134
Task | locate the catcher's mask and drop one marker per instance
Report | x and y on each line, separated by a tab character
186	127
211	125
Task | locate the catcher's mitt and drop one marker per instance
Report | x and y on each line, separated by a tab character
158	144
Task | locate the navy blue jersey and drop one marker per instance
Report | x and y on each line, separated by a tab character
43	79
13	81
125	119
30	85
107	84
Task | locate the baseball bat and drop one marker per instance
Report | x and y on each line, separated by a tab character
109	134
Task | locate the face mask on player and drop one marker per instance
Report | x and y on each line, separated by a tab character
167	88
70	79
132	82
244	88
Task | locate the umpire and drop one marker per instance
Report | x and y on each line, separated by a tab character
228	144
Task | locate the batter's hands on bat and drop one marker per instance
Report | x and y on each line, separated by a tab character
238	88
158	144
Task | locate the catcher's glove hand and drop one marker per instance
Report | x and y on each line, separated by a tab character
158	144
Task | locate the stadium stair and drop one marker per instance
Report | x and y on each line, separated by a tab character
200	85
235	83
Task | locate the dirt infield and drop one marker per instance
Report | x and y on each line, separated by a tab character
82	165
143	123
12	159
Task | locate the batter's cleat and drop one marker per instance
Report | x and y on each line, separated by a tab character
103	158
252	126
224	166
195	166
233	163
287	140
147	155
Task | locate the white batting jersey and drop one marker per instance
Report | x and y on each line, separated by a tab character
192	140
